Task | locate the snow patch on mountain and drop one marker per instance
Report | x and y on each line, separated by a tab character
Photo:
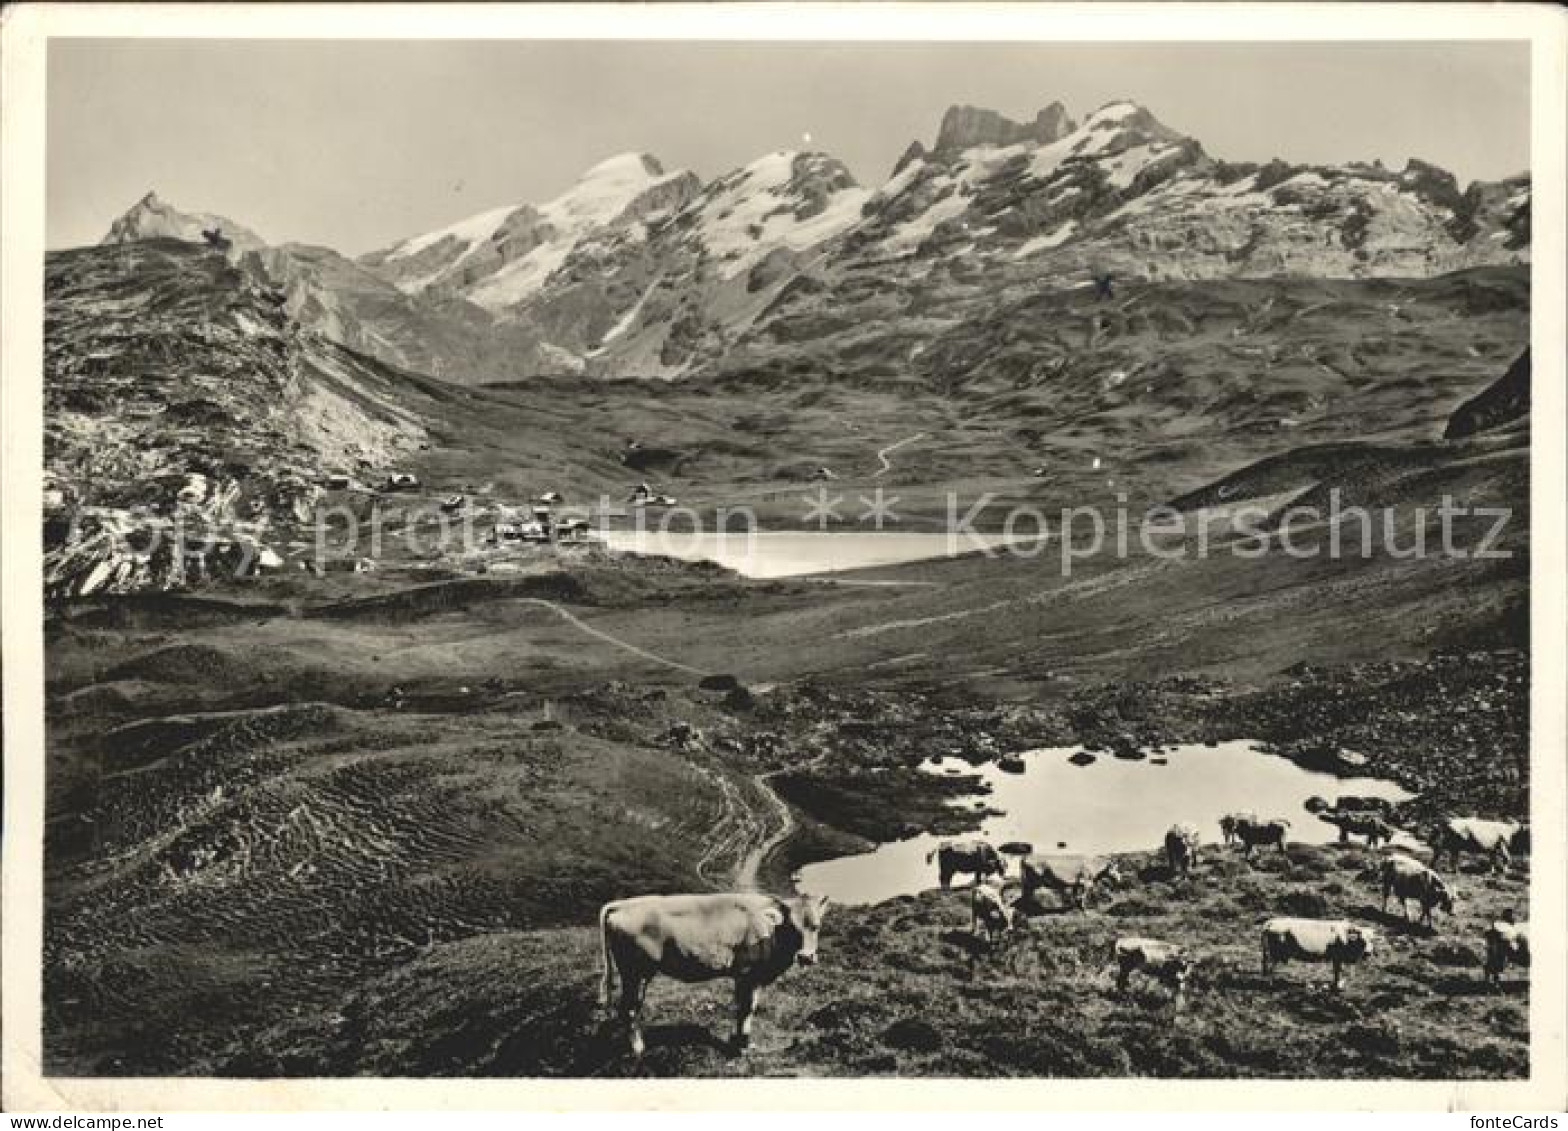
469	232
785	198
1049	240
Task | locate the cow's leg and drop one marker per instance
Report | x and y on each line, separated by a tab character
1122	973
1338	975
633	987
746	995
1268	965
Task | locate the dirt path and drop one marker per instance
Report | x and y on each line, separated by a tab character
882	454
624	645
750	864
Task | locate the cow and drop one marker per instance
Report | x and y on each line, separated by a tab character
1408	879
989	911
748	936
1252	832
971	857
1072	875
1181	848
1507	944
1359	822
1495	839
1337	941
1229	822
1165	962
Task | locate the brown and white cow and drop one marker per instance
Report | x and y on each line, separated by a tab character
1336	941
1253	833
976	858
1494	839
1408	879
1507	944
1181	848
748	936
1356	822
989	912
1073	876
1165	962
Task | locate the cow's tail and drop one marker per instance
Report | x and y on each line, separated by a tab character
609	961
930	856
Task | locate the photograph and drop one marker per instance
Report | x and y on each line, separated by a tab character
818	557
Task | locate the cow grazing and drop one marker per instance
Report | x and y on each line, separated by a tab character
1074	876
1181	848
1164	962
1493	839
748	936
1359	822
1507	944
1253	833
990	914
969	857
1337	941
1408	879
1229	822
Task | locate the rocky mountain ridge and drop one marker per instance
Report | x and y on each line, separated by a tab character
637	271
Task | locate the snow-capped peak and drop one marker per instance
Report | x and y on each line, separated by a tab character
501	256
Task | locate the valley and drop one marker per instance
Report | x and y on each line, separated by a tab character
340	767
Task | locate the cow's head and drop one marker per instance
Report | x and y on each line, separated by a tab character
1442	897
1361	941
992	861
1519	842
807	911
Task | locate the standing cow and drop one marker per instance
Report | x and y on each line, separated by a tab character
1336	941
1408	879
1073	876
1164	962
1507	944
969	857
1229	822
1494	839
1253	833
989	913
748	936
1359	823
1181	848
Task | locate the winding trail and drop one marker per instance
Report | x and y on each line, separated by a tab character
882	454
750	864
624	645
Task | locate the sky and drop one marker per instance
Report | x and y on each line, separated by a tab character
359	144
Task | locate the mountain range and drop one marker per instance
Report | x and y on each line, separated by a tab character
637	270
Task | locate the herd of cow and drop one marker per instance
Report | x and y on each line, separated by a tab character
754	938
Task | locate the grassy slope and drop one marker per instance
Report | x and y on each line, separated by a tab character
903	990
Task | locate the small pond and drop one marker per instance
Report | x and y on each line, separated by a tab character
1109	805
